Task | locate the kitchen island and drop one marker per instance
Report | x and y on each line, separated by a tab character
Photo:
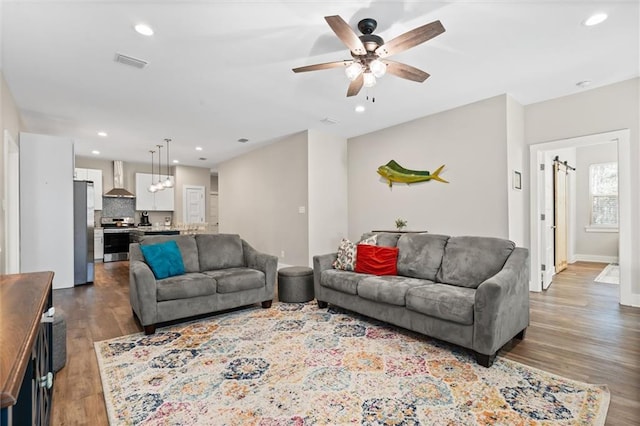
136	234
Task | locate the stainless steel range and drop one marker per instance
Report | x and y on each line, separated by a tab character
116	237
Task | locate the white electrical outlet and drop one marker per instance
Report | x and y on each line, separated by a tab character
302	209
282	254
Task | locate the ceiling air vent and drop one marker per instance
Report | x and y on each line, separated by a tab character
131	61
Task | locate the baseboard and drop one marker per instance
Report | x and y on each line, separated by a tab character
594	258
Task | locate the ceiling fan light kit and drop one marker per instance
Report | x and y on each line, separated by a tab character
369	52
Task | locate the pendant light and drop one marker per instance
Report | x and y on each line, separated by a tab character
168	183
152	188
159	186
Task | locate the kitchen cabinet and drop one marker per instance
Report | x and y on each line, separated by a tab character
152	201
95	176
98	243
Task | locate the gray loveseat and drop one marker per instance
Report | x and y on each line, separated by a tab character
222	271
470	291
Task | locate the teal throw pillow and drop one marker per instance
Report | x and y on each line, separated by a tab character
164	259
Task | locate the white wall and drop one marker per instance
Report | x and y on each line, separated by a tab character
600	110
327	192
517	198
46	206
9	121
470	140
596	246
260	194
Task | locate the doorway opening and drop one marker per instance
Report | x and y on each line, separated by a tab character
538	227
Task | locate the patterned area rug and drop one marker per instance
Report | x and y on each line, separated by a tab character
609	275
295	364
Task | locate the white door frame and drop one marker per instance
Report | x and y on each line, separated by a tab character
11	205
185	189
622	137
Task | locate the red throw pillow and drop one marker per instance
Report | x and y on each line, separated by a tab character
377	260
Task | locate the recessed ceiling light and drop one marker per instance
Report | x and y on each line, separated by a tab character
595	19
584	83
360	108
103	134
198	148
144	29
95	152
176	161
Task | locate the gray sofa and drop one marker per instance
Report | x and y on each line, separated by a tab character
470	291
222	271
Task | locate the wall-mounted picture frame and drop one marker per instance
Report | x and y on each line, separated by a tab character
517	180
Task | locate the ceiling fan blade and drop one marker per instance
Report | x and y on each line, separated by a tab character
324	66
346	34
405	71
355	86
410	39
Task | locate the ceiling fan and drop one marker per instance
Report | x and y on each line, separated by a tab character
369	52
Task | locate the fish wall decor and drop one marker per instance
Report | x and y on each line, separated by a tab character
394	172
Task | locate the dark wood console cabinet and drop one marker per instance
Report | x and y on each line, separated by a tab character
26	377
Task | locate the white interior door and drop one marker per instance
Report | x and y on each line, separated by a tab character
11	205
548	228
213	212
194	208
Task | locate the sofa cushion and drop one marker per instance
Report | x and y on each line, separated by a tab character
421	255
186	244
232	280
185	287
344	281
443	301
347	250
469	261
219	251
385	239
376	260
387	289
164	259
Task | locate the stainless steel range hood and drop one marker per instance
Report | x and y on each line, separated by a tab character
118	190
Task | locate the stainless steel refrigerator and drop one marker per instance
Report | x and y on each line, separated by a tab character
83	223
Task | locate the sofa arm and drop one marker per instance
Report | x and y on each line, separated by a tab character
142	292
266	263
501	308
321	262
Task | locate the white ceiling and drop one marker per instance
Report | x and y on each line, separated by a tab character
221	70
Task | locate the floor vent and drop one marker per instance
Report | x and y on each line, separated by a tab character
131	61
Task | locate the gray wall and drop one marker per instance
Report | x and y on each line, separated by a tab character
592	245
470	140
260	194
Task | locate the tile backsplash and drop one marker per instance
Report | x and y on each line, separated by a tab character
118	207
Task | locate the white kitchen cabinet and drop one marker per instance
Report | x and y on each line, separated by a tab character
95	176
98	243
152	201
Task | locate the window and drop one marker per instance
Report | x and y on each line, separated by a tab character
603	188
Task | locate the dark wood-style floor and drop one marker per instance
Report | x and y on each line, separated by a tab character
578	330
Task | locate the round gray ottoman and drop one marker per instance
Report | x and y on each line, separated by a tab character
295	284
